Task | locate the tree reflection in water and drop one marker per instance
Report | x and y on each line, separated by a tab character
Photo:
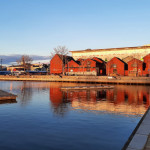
25	95
8	101
24	90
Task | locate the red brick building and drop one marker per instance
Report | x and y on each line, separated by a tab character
81	67
61	64
147	65
72	66
135	67
94	66
57	64
101	65
116	67
89	65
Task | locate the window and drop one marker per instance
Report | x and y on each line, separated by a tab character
88	69
114	66
114	70
88	62
134	65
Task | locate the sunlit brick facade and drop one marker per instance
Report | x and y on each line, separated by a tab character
129	66
147	65
116	67
135	67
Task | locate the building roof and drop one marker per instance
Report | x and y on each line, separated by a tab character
128	58
76	62
98	60
111	49
65	57
146	56
16	66
110	61
135	59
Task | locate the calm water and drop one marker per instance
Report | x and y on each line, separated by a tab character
45	118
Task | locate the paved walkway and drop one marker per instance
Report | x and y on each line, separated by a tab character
147	146
80	79
141	137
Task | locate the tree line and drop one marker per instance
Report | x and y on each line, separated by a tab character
26	60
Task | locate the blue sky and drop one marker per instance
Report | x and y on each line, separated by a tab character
35	27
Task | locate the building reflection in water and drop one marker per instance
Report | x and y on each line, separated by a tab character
59	101
125	100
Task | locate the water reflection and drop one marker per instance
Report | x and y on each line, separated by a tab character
36	122
126	100
8	101
25	90
123	99
25	94
59	101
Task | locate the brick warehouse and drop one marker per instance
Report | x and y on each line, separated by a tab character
93	66
116	67
147	65
58	62
135	67
101	65
130	66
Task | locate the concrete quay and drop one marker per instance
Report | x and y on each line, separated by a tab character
140	137
5	96
86	87
80	79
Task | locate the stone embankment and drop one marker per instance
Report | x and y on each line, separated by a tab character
140	137
80	79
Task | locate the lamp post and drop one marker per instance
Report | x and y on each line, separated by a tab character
83	66
149	66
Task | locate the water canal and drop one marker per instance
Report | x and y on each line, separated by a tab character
43	117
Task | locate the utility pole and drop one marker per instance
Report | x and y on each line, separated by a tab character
1	64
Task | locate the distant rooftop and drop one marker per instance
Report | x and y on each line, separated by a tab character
111	49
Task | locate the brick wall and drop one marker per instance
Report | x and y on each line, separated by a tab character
135	67
56	65
115	66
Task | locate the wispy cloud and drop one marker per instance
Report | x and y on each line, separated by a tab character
11	59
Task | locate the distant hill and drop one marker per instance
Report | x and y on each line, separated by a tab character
11	59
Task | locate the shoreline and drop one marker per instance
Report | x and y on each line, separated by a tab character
139	138
80	79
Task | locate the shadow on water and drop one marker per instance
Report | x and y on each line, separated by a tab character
8	101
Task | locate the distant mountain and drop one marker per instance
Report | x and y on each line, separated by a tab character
11	59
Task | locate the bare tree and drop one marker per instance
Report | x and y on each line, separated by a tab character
63	52
25	61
